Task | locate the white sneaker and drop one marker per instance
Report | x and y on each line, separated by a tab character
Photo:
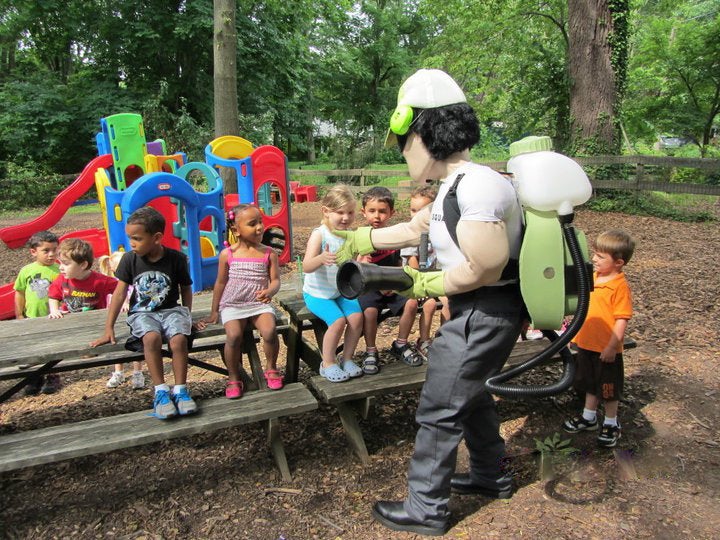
115	380
534	335
137	380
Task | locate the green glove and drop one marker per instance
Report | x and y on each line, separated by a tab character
425	284
356	243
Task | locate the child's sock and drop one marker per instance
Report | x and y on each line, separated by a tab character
178	388
610	421
162	386
589	415
370	349
400	342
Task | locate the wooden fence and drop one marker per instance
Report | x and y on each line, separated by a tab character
640	174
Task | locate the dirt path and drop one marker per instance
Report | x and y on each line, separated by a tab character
663	480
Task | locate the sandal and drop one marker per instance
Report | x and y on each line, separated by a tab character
273	378
334	373
234	389
351	368
370	364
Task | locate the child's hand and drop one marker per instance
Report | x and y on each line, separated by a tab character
199	325
108	337
327	258
264	296
608	355
55	314
364	259
210	319
125	307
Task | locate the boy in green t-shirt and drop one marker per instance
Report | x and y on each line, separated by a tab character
31	294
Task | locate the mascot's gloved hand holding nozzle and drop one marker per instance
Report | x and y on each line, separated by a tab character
357	242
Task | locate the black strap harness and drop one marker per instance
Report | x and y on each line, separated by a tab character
451	217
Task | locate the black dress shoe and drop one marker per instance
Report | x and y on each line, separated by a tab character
462	484
392	514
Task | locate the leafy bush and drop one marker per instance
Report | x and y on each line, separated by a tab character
29	185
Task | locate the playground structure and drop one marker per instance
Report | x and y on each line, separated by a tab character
130	172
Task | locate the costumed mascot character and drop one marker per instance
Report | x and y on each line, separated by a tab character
435	128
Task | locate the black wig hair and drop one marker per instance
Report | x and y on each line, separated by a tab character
446	130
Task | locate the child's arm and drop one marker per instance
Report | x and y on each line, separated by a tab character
315	256
218	289
186	296
274	282
617	337
116	303
413	262
19	304
55	312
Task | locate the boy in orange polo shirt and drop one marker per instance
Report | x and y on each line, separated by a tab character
600	340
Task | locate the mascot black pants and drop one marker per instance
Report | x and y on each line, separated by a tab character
472	346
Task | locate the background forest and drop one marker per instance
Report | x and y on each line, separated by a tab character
319	78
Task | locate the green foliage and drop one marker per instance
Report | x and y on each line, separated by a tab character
22	187
673	84
555	445
645	204
180	131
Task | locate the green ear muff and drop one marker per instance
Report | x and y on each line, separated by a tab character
401	119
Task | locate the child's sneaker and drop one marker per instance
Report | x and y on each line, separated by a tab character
137	380
577	424
406	354
115	380
163	406
34	386
184	403
609	436
52	384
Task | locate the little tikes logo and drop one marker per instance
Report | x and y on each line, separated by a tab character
163	187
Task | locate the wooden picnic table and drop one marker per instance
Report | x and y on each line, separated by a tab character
31	347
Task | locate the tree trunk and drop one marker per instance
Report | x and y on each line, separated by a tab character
225	79
594	83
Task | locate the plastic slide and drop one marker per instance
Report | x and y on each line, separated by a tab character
7	301
17	235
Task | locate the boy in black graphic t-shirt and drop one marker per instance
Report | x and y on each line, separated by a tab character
160	277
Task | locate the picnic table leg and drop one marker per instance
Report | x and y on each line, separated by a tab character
292	342
250	349
352	431
7	394
278	450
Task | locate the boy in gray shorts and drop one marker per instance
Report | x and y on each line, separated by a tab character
160	278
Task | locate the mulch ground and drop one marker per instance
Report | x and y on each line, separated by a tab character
662	481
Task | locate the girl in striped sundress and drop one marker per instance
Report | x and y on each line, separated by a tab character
248	277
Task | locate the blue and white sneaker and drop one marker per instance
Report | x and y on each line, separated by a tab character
184	403
163	406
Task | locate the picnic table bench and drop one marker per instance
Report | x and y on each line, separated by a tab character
38	346
354	399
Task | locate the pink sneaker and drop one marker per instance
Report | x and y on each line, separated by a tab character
234	389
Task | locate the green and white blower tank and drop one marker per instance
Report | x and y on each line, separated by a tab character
555	273
549	186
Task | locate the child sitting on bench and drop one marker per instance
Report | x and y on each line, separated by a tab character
247	279
160	278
